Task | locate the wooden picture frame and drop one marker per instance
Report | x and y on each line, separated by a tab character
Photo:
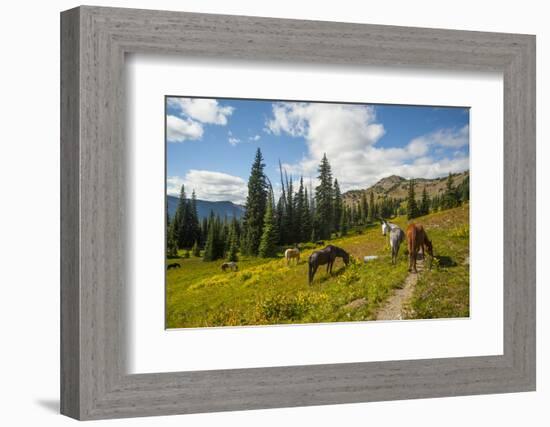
94	382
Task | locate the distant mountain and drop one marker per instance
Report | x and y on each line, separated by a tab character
397	187
204	207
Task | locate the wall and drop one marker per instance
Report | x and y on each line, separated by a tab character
29	168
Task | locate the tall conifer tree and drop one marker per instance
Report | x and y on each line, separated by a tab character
288	219
306	219
233	244
180	229
424	203
256	202
194	225
299	214
268	242
211	246
372	208
412	207
344	225
364	208
338	206
324	200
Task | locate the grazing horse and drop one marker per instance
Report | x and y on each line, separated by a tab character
173	265
292	253
231	266
326	256
416	239
396	237
387	226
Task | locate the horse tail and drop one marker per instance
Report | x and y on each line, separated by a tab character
310	271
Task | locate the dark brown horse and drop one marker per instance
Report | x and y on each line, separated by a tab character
326	256
418	238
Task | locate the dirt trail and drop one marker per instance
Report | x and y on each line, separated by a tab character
393	308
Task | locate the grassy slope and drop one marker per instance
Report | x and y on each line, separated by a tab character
444	291
270	292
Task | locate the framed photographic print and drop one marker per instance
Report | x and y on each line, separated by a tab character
262	213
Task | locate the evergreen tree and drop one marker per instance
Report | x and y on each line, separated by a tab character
424	203
299	213
324	200
464	189
288	219
412	208
225	236
282	209
305	219
233	246
255	207
364	208
186	228
214	246
313	237
451	198
386	207
279	218
268	242
372	209
186	224
435	203
196	249
210	245
179	219
194	224
338	206
236	228
344	222
171	244
204	232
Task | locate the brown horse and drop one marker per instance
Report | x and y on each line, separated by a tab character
416	239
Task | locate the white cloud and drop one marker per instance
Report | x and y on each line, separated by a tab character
179	130
173	185
348	134
233	141
417	147
450	138
202	110
210	185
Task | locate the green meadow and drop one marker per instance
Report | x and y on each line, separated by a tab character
268	291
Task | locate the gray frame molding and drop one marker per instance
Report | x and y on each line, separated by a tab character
94	41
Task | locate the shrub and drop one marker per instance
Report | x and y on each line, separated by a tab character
283	308
245	276
462	232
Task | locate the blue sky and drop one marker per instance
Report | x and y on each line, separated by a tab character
211	142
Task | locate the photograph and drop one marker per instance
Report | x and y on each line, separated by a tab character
294	212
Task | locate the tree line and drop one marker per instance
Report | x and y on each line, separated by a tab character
452	197
299	215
